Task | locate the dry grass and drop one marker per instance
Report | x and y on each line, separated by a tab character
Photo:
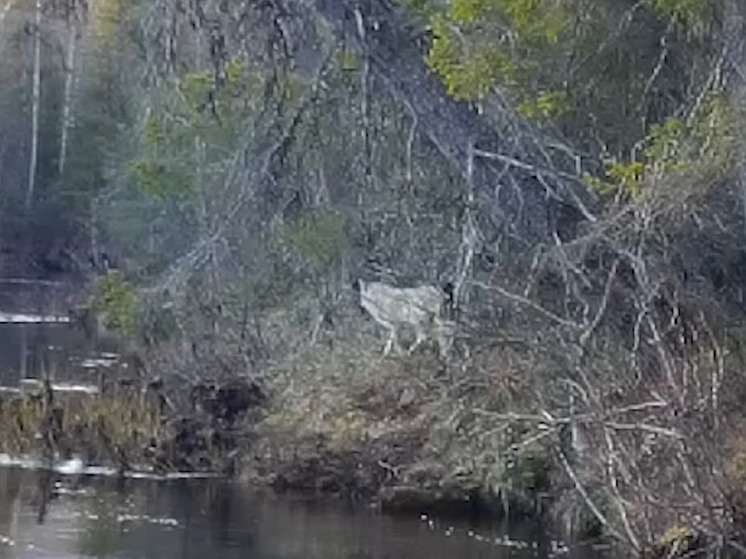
407	421
107	428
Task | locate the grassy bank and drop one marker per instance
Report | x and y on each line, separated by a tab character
397	429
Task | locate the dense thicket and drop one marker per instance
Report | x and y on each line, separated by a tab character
573	167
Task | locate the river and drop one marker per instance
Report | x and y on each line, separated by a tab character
49	515
43	516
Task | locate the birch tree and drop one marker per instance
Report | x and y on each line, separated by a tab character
35	107
71	24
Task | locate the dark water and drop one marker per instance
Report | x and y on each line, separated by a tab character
32	350
40	345
46	517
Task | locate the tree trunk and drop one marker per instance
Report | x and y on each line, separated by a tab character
735	48
36	99
69	82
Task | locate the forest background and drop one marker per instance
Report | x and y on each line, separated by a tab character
218	173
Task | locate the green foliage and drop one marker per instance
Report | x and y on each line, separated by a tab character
466	76
626	177
201	123
548	105
677	536
109	17
471	50
196	88
235	71
158	181
117	302
703	148
219	103
467	11
348	61
687	12
154	134
666	143
594	66
319	236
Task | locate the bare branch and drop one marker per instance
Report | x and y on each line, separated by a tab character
602	307
586	497
524	301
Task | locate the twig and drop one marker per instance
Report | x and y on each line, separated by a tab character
527	302
718	371
539	173
658	66
588	501
602	307
619	501
644	427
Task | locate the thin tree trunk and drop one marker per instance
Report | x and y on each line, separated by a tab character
735	49
68	95
36	99
94	237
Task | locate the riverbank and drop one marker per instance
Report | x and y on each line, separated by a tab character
486	436
466	437
395	432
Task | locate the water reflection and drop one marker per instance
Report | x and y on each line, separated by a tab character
30	350
47	516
